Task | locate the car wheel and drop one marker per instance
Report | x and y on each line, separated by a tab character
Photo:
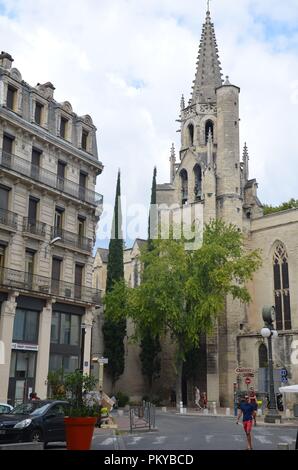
36	436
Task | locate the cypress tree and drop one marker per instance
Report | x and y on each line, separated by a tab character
150	345
115	331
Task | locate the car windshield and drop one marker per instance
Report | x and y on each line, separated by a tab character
25	408
40	410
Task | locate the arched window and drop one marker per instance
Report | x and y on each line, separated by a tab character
281	288
190	131
184	186
198	182
209	126
263	356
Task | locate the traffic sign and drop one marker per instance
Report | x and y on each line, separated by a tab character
247	381
103	360
284	380
284	372
244	370
248	374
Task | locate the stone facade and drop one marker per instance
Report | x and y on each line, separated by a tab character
211	174
48	215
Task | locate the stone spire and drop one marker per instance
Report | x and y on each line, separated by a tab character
245	163
208	74
172	163
182	103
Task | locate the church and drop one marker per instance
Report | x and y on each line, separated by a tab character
210	171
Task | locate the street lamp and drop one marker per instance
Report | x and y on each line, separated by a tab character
268	332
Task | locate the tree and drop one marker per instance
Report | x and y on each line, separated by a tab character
291	204
114	330
183	292
150	344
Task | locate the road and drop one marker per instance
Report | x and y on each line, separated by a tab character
176	432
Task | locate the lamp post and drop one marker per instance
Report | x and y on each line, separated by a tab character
269	332
101	361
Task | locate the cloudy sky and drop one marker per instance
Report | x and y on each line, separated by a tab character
127	62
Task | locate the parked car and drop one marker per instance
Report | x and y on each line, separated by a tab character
5	408
38	420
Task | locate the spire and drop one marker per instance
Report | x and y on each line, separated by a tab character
182	103
245	162
208	73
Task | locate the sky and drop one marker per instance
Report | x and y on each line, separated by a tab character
127	63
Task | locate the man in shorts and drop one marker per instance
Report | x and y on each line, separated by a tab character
247	409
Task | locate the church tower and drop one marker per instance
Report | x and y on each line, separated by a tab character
210	174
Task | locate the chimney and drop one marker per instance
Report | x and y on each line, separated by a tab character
47	89
5	60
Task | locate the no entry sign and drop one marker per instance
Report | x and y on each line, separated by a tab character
247	380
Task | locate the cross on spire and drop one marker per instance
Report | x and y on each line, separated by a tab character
208	6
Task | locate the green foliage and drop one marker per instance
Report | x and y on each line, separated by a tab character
114	331
184	292
291	204
150	355
74	388
122	399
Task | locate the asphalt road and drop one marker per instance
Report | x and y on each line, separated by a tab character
176	432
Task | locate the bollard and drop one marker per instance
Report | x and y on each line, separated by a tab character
184	411
288	413
181	407
228	412
259	412
214	411
164	409
120	412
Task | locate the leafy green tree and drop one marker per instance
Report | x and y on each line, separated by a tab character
114	330
291	204
183	292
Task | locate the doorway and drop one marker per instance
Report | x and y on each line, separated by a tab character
22	376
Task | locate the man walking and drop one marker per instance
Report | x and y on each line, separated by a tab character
247	409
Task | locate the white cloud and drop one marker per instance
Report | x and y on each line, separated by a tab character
127	62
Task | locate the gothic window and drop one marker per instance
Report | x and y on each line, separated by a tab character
184	186
198	182
281	288
263	356
190	130
209	126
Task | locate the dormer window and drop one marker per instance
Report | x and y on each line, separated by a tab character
85	135
38	112
63	127
11	97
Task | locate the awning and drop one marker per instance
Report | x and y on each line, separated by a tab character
289	389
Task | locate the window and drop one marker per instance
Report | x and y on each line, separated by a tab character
11	97
281	288
81	226
7	150
25	327
2	257
184	186
65	362
85	135
190	130
38	112
35	163
60	174
4	195
32	210
78	280
198	182
56	273
209	128
63	127
58	222
263	356
65	329
82	183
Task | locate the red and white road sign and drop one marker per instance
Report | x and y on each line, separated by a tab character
247	381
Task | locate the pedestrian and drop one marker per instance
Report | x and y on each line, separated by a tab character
253	401
204	400
33	396
246	409
197	397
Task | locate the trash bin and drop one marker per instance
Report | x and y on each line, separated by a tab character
295	410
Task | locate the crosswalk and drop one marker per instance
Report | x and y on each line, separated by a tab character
265	439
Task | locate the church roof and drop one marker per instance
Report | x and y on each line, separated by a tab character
208	73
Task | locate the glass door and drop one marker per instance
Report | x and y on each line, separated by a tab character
22	376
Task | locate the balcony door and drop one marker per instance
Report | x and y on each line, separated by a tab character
29	269
60	175
56	273
4	194
2	262
7	148
83	181
78	280
35	164
58	222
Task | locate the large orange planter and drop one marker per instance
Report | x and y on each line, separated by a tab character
79	432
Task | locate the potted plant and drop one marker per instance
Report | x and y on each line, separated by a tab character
84	410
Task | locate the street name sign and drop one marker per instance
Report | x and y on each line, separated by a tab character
103	360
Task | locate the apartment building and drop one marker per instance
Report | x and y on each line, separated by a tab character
48	215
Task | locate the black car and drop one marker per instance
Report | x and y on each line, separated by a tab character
38	420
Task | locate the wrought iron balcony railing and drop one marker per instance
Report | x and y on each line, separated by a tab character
8	218
21	280
34	226
73	239
26	168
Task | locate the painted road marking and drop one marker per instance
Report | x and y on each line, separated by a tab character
238	438
209	438
108	441
159	440
263	439
134	440
288	439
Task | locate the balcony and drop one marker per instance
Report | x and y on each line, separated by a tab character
34	226
41	175
73	239
10	219
20	280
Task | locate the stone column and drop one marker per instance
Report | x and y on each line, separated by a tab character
212	367
44	337
87	324
8	310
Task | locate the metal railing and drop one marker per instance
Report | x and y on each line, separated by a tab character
142	416
26	168
13	279
8	218
34	226
73	239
